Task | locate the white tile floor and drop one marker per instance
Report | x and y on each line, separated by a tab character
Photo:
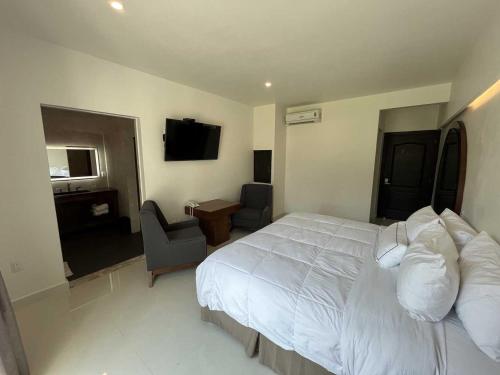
116	325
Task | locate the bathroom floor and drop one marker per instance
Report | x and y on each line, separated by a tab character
95	250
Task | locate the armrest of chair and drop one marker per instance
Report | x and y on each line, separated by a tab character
186	246
191	222
185	235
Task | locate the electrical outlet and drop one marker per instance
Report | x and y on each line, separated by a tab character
16	267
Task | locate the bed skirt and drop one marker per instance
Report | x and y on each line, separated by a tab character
281	361
247	336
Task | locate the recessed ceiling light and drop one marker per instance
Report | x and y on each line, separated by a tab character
268	84
116	5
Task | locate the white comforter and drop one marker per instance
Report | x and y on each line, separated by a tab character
290	281
309	283
379	337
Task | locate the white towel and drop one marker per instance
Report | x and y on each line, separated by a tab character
101	209
99	213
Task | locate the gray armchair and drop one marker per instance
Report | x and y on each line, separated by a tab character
256	207
170	247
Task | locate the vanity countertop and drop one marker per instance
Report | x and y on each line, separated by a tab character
75	193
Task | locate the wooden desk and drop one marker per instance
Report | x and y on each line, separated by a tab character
214	219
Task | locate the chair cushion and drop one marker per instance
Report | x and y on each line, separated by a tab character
248	214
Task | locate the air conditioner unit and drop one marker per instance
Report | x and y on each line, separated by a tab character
304	117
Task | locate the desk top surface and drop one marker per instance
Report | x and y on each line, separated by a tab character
216	205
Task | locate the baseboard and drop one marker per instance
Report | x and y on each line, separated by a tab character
29	298
277	217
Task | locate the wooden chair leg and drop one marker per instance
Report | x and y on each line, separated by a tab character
159	271
151	278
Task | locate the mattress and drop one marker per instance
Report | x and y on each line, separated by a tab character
290	281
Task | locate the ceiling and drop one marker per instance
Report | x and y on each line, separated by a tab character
311	51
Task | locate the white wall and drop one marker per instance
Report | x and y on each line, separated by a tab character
35	72
407	119
279	164
119	141
480	69
481	204
269	133
264	118
264	127
330	165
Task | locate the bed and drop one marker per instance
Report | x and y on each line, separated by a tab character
306	295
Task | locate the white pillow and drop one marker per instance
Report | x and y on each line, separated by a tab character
460	231
419	220
392	245
478	303
428	277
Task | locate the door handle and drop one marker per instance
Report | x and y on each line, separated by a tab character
386	181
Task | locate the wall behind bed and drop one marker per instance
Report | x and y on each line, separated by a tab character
330	165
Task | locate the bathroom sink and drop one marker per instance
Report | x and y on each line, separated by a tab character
71	192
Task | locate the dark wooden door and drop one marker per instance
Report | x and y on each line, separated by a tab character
407	175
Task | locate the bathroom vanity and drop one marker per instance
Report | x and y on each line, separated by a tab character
74	209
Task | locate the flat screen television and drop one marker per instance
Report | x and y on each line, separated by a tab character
190	140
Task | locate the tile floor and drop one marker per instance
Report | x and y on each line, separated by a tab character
116	325
97	249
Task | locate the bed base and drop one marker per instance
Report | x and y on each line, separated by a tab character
281	361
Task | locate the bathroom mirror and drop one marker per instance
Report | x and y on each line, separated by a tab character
71	163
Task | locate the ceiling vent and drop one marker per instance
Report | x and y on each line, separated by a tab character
304	117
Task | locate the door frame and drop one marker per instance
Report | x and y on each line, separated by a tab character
137	148
383	162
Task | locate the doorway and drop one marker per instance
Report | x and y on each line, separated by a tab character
94	173
407	172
